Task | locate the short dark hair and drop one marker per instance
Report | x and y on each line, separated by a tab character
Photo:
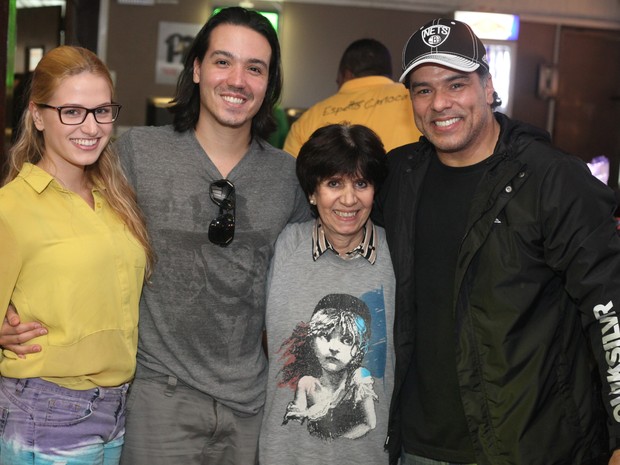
484	75
186	103
366	57
341	149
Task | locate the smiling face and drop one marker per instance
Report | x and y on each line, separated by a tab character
70	148
232	76
452	109
343	204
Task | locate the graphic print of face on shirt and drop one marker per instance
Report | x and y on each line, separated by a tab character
333	392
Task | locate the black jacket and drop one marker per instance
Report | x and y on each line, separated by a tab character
537	280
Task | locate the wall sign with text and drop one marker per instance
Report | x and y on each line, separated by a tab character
173	43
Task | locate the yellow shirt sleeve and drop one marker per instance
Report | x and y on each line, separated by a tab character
294	139
10	264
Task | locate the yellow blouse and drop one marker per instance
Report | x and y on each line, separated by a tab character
79	272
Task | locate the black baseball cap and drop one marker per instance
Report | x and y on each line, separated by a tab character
446	42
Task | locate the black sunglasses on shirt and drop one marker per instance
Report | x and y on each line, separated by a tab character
222	228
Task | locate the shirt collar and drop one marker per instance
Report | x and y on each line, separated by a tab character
355	84
366	249
36	178
39	179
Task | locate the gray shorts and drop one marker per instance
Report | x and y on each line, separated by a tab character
169	423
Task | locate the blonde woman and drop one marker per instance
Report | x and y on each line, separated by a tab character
75	253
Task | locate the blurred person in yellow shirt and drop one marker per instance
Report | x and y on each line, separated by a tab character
366	95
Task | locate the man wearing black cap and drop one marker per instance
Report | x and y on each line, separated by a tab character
508	278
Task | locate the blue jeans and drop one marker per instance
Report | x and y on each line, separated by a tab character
410	459
42	423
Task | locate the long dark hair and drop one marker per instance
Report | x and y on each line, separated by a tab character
186	103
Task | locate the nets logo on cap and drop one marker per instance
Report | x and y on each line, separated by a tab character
444	42
434	36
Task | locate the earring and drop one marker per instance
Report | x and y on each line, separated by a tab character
312	202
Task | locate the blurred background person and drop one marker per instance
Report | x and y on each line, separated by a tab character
366	95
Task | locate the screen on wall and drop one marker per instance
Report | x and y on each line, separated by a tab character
494	26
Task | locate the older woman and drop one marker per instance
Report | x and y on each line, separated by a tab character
330	312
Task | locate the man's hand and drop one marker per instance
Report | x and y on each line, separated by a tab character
14	333
615	458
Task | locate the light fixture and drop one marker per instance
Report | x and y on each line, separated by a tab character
38	3
493	26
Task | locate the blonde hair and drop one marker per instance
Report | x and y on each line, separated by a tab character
106	173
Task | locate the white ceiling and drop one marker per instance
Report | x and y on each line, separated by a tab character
598	13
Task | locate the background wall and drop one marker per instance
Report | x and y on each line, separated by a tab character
131	51
535	47
312	38
310	65
44	25
580	39
576	12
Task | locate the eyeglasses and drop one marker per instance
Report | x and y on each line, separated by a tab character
222	228
74	115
